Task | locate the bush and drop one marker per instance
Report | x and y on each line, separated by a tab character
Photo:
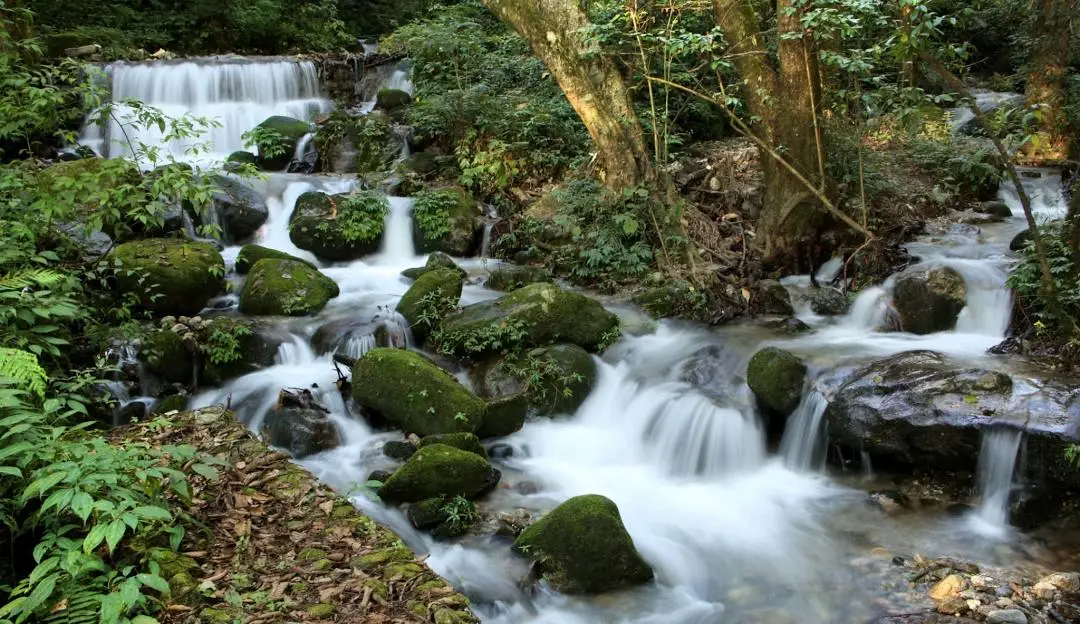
1026	278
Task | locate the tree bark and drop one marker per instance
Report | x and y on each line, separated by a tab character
1046	79
591	83
783	96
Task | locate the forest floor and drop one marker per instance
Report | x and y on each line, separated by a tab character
268	543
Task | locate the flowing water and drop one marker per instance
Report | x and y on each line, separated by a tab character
669	432
997	463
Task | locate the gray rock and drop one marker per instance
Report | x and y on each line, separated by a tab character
996	208
1006	616
772	298
300	425
828	301
929	301
240	209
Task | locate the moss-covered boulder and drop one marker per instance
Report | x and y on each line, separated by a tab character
233	347
171	403
553	380
771	297
250	254
534	316
504	416
464	441
582	547
447	220
437	260
431	295
165	355
241	211
241	157
356	144
170	276
511	277
339	227
410	391
929	301
392	99
777	378
278	136
440	470
285	287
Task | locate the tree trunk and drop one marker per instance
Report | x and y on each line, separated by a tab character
784	97
591	83
1046	79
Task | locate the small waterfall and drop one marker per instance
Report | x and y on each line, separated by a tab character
997	463
491	217
989	301
357	346
398	238
803	445
400	80
829	271
869	311
305	155
238	94
985	101
397	328
295	352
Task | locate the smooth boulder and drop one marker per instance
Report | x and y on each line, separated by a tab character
437	260
552	380
285	288
241	211
327	225
412	392
828	301
300	425
534	316
392	99
771	297
777	378
250	254
447	220
430	296
170	276
511	277
440	470
929	301
582	547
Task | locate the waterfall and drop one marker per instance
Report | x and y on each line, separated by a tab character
869	311
803	445
997	463
397	246
236	94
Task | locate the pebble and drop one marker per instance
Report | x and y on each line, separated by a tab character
1044	590
1006	616
947	588
981	581
952	606
1069	582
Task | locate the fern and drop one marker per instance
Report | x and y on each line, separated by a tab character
22	367
31	278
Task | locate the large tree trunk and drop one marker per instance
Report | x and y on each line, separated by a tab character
591	83
784	96
1046	78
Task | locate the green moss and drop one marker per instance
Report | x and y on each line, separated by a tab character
464	441
428	513
392	99
283	133
233	347
444	615
447	220
504	416
321	610
437	260
378	588
415	394
241	157
511	277
250	254
581	546
310	554
439	470
339	228
777	378
216	616
431	294
558	379
172	403
164	354
545	313
380	558
286	287
402	571
170	276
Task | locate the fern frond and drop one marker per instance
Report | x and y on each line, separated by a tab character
22	367
80	606
30	278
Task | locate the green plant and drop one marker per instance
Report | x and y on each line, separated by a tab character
543	377
460	514
269	142
432	212
1026	277
223	346
360	216
433	307
506	336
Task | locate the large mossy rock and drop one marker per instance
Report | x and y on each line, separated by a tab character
582	547
170	276
534	316
437	260
165	355
771	297
250	254
929	301
410	391
464	441
285	288
234	347
363	144
392	99
241	210
277	151
510	277
430	295
559	378
338	228
447	220
440	470
777	378
828	301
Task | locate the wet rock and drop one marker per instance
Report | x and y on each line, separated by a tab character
772	298
392	99
828	301
277	151
551	380
234	347
165	355
132	412
429	297
439	470
929	301
788	326
379	476
948	587
286	287
511	277
170	276
300	425
582	547
250	254
454	226
777	378
355	336
326	225
437	260
93	245
1020	241
169	404
504	416
537	315
427	514
1006	616
241	210
415	394
996	208
398	449
464	441
241	157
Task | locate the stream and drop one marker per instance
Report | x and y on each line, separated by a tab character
736	531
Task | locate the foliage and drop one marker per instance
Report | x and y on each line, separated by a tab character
543	377
361	216
269	142
433	210
223	345
506	336
963	166
460	514
433	307
1026	278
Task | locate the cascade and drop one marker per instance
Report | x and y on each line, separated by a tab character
398	246
997	464
236	93
803	444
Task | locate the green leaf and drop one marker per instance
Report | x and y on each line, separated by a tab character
43	485
94	538
115	533
154	581
143	619
41	593
205	471
152	513
82	504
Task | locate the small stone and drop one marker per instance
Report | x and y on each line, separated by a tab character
168	321
954	605
981	581
1006	616
973	604
1066	582
949	587
1003	593
195	321
184	320
1044	590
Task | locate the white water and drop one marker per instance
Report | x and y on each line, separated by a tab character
803	445
236	94
985	101
997	463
